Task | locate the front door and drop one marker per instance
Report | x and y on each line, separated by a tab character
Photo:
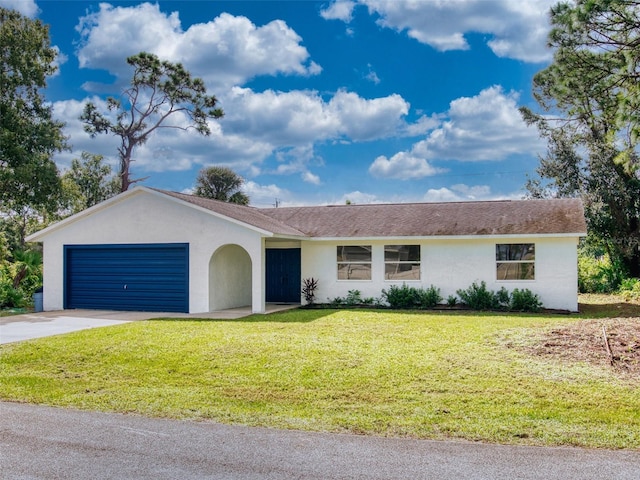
283	275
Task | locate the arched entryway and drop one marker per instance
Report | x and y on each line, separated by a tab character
229	278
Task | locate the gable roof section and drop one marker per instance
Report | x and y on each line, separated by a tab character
248	215
506	217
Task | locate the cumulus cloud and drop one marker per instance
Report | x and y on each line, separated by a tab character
403	166
481	128
339	10
516	29
264	195
303	117
485	127
28	8
226	51
458	193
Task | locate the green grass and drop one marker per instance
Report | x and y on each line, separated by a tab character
427	375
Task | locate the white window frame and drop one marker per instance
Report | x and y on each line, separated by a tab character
521	261
417	263
353	263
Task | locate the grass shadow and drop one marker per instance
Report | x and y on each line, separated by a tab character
613	309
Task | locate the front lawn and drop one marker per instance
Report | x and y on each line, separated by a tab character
428	375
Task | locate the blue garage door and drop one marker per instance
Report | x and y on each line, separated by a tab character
140	277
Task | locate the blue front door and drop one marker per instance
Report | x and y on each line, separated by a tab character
283	275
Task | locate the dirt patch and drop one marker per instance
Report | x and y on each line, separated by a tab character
584	341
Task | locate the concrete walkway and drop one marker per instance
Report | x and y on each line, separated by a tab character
17	328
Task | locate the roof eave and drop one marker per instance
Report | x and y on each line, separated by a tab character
449	237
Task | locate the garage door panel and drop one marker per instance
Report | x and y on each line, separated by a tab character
145	277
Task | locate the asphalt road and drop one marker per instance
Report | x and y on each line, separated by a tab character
50	443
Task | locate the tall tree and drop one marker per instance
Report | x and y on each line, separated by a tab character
29	135
158	90
88	181
221	183
590	96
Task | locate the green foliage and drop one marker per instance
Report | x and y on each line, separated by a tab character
479	297
591	89
630	289
452	300
20	277
524	301
404	297
221	183
354	297
158	90
88	182
28	133
599	275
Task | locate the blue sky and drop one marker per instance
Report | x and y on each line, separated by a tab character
367	101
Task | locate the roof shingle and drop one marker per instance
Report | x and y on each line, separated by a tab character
502	217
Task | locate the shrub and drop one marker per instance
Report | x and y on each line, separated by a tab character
599	274
452	300
478	297
428	298
525	301
404	297
309	286
630	289
354	297
502	299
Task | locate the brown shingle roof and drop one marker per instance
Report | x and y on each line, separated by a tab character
552	216
503	217
249	215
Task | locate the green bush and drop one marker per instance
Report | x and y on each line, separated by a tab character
599	274
525	301
404	297
20	277
478	297
630	289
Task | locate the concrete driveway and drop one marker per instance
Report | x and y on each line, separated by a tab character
17	328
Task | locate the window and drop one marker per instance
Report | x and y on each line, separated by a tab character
354	262
515	261
402	262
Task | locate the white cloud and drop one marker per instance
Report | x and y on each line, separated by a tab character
339	10
28	8
485	127
481	128
357	198
458	193
225	51
311	178
440	195
517	29
363	119
304	117
264	195
402	165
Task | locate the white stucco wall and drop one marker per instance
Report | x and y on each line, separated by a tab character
149	218
229	278
452	264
